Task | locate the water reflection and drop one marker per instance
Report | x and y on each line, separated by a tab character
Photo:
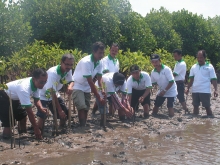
198	144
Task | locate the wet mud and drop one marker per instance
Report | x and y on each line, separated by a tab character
183	139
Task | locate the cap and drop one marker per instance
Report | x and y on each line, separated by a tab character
118	78
134	68
154	57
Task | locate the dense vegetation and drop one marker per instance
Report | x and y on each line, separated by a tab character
35	33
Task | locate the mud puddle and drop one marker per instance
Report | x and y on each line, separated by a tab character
197	144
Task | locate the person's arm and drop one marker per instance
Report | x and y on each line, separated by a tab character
70	88
215	85
39	106
170	84
70	80
94	90
31	117
59	109
170	78
147	91
191	80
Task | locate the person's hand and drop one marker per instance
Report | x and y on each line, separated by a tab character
215	93
102	101
128	113
62	114
69	90
162	93
37	133
141	99
45	110
104	95
187	91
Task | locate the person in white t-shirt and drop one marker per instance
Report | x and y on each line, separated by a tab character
163	77
109	64
57	77
20	92
201	76
138	89
115	82
179	74
86	69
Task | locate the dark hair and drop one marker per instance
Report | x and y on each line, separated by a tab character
134	68
98	45
67	56
37	73
203	53
178	51
118	78
115	45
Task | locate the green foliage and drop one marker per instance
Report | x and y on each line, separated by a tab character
77	24
14	31
37	55
160	23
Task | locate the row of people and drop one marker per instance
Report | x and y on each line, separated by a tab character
81	84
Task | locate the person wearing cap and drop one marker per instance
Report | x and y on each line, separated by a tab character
179	74
201	76
20	91
138	89
58	76
115	82
162	76
87	68
109	64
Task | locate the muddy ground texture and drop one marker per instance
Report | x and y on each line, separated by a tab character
126	134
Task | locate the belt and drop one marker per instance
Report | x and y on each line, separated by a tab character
180	81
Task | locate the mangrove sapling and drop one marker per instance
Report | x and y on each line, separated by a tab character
11	120
55	126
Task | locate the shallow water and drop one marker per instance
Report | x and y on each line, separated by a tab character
197	144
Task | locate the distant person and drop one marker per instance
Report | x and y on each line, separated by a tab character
138	89
201	76
58	76
162	76
179	74
20	92
87	68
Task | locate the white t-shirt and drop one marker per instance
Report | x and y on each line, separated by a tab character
180	70
110	86
84	69
22	90
162	79
110	64
141	84
56	79
202	77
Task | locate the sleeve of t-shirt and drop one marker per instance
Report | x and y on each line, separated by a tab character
105	67
86	69
169	75
178	69
212	73
191	73
69	76
129	86
24	97
153	81
148	83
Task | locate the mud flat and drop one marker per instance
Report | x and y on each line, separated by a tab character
185	138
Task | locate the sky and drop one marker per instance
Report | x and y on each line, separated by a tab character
208	8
